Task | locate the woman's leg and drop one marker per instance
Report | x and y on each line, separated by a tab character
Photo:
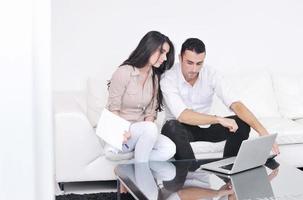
163	150
163	171
145	180
143	138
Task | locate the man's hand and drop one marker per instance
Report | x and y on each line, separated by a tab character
225	190
247	116
228	123
275	148
273	174
126	136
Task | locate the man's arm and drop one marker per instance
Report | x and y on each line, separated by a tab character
247	116
194	118
198	193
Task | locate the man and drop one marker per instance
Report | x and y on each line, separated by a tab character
188	91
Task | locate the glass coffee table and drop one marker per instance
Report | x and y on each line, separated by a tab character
186	180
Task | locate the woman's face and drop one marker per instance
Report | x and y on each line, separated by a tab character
159	56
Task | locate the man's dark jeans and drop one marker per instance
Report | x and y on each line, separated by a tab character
182	134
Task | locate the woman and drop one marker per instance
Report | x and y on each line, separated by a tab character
134	95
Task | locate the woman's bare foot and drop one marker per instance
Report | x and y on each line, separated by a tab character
123	189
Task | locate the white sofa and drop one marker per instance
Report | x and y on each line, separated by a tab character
276	100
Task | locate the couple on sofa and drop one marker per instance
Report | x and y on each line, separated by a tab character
147	80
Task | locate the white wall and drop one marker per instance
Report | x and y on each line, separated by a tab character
43	111
16	129
92	37
26	153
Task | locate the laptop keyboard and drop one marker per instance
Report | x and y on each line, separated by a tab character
228	167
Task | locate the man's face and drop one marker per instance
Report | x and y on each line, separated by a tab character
191	64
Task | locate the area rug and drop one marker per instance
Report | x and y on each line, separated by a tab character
95	196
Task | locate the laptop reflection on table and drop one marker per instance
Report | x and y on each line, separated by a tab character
252	184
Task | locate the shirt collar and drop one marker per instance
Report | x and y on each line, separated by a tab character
136	72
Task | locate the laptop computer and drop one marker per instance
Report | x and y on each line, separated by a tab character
252	153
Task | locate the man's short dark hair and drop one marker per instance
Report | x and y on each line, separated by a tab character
193	44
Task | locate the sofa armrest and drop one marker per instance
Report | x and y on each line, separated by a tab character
77	145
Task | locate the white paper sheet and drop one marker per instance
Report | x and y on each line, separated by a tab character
111	128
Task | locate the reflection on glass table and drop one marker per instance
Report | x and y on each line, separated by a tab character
185	180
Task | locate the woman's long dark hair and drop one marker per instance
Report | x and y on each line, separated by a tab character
149	44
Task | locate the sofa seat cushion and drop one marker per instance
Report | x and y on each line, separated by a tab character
119	156
207	147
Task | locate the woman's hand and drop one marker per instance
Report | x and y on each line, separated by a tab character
126	136
151	119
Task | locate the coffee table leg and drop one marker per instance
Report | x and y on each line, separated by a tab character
118	190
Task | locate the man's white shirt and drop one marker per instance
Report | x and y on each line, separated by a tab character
179	95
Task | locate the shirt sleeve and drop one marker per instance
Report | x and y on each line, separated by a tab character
223	89
117	87
151	108
172	97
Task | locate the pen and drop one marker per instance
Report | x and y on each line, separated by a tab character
126	145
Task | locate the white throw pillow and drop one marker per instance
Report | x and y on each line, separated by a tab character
96	99
289	93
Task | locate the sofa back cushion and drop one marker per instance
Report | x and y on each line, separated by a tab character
254	88
96	98
289	93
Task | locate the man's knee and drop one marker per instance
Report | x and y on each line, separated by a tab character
175	130
243	128
171	126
